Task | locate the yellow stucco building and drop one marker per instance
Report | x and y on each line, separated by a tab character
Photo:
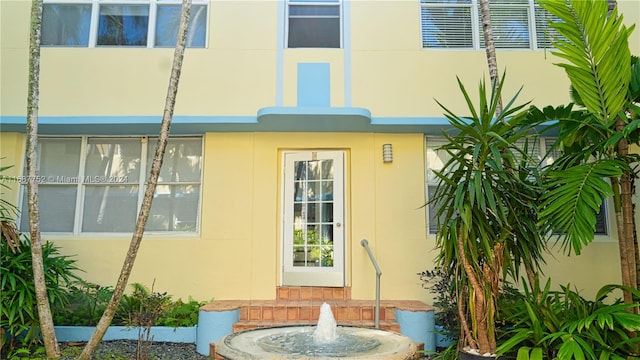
275	171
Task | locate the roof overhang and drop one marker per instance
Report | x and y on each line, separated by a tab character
268	119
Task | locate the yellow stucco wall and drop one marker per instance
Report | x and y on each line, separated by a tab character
11	150
391	74
236	254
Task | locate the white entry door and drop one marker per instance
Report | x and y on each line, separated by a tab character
313	219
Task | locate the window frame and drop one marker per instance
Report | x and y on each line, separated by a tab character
533	12
81	184
335	3
151	26
542	143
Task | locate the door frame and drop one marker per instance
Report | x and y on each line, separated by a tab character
314	276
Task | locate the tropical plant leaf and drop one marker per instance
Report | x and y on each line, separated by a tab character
573	199
595	46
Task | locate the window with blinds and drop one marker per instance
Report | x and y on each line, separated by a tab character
314	24
516	24
540	149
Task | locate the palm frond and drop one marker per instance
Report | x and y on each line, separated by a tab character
573	199
595	46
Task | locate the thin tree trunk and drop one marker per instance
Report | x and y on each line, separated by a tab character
42	298
143	215
625	224
492	60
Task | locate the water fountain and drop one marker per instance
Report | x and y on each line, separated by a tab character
325	340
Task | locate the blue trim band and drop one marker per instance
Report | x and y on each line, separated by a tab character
268	119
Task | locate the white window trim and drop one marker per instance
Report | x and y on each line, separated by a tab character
153	11
141	183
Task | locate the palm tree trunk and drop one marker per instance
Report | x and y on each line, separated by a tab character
42	299
143	215
625	224
492	60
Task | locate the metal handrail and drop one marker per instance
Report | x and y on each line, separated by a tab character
365	244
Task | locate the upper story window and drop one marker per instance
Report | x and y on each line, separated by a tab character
140	23
314	24
96	185
516	24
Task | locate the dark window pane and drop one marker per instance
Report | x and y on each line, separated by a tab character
65	25
314	32
314	11
601	220
124	25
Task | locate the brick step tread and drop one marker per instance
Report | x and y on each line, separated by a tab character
226	305
312	313
248	324
313	293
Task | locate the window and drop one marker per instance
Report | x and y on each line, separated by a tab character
96	184
516	24
314	24
141	23
436	159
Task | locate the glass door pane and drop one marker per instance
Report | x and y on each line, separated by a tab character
313	213
313	231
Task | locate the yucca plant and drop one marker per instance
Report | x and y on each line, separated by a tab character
486	200
18	315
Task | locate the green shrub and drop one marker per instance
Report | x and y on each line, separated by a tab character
547	324
143	307
87	302
19	314
441	283
180	313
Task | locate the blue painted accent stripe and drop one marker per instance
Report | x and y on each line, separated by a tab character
410	121
346	45
159	333
337	111
98	120
280	52
314	85
268	119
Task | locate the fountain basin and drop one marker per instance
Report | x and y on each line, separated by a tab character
296	342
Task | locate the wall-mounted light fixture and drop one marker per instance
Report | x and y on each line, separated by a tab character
387	153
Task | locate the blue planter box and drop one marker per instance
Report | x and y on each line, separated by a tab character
159	333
